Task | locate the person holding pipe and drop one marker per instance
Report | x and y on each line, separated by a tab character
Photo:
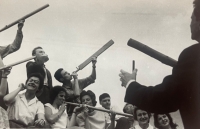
4	122
75	87
8	49
90	118
25	110
178	91
39	67
126	122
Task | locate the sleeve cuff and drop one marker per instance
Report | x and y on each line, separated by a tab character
127	85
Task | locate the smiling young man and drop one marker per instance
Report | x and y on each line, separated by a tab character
25	110
39	67
75	87
104	100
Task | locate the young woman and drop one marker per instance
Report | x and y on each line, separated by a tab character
92	119
55	111
143	118
25	110
164	121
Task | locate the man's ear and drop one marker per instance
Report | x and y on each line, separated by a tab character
61	79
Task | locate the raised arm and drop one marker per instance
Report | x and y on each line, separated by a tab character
4	83
52	118
83	83
75	87
10	98
4	51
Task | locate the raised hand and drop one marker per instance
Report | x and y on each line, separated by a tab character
125	77
74	75
21	24
6	72
94	60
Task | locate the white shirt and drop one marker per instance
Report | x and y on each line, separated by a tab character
45	78
62	122
138	127
23	112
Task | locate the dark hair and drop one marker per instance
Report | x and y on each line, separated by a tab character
54	93
135	116
102	96
124	109
38	75
34	50
157	125
196	4
91	94
58	75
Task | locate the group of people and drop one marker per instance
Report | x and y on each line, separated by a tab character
43	105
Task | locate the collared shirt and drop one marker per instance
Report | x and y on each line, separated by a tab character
150	127
23	112
62	122
93	120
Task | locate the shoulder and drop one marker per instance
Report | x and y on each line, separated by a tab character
48	105
30	63
40	104
190	51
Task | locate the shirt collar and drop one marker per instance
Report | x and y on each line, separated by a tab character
32	101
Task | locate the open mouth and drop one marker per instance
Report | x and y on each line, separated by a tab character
143	119
165	122
32	85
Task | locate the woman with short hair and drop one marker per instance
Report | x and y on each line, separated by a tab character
92	119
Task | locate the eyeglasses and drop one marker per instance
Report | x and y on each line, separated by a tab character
35	81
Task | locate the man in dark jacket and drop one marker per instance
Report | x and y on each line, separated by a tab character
179	91
39	67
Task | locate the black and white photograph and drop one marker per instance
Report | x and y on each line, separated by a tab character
100	64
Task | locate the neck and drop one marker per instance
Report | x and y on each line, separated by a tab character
67	82
39	62
55	105
144	126
29	95
167	127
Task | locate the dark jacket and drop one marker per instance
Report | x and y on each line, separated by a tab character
179	91
33	67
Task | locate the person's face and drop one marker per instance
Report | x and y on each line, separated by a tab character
60	99
66	75
163	120
33	83
105	103
40	55
194	27
87	100
129	109
142	117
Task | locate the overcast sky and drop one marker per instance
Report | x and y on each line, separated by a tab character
72	30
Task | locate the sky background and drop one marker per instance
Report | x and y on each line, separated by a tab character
72	30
